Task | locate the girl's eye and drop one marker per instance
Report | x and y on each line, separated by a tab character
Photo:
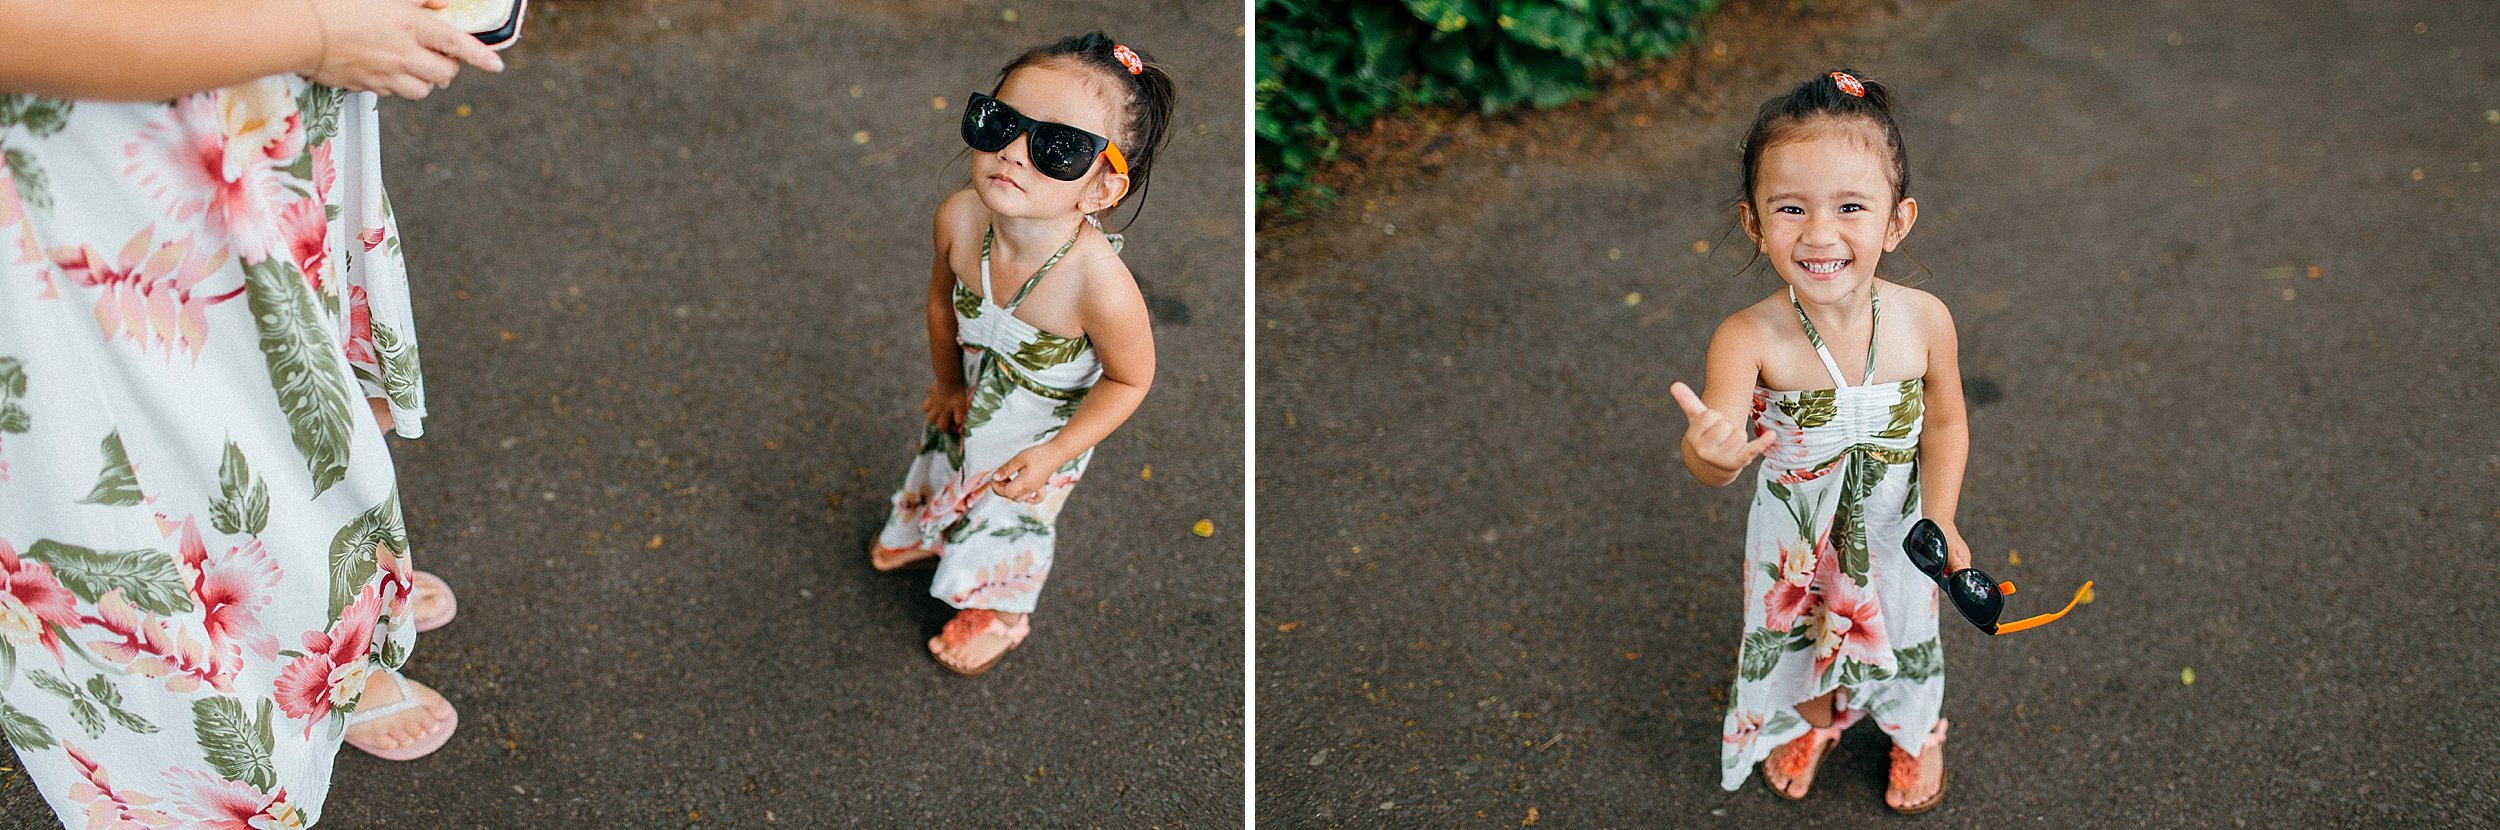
1789	209
1852	207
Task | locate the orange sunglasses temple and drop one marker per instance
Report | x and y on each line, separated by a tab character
1119	163
2043	619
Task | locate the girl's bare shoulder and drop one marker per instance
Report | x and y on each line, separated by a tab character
1756	324
1099	269
961	218
1925	312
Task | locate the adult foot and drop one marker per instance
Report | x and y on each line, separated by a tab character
977	638
399	733
1789	769
1917	783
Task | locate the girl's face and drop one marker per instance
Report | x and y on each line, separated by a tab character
1068	94
1822	210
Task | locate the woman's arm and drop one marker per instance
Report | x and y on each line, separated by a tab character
151	50
1944	435
1115	318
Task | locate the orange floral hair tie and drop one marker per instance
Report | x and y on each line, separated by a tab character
1128	58
1849	83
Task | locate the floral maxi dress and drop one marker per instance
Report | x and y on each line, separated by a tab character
1026	384
196	298
1830	600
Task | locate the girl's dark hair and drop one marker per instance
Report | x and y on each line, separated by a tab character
1147	109
1785	117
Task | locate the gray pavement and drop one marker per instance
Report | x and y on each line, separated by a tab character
1490	596
669	272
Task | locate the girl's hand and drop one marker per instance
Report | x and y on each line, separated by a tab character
948	405
1022	477
1714	438
1956	551
393	47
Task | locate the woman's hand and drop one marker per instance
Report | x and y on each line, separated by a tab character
1023	477
1712	437
393	47
948	404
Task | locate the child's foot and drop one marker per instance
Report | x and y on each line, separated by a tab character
388	730
977	638
913	558
1917	784
1789	769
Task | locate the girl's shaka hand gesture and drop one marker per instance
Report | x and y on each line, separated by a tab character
1713	438
394	47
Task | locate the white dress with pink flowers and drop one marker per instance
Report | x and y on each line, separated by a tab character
1830	601
1026	383
196	299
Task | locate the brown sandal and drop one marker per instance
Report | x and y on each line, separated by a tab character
1800	758
1904	774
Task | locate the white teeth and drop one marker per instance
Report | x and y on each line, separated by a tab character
1826	267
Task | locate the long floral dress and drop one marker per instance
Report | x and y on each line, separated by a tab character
1026	384
196	297
1830	600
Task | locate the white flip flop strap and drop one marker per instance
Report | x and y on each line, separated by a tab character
407	700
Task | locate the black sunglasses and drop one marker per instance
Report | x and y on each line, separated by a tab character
1979	598
1060	151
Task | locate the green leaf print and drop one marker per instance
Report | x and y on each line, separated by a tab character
1854	674
989	395
1778	490
1813	408
117	485
1905	412
967	303
102	691
964	529
242	504
1025	526
146	578
351	551
24	732
13	415
1857	483
300	357
933	439
1061	413
1909	505
1760	654
236	747
1920	663
1047	350
393	655
31	184
83	711
320	105
42	117
401	379
1781	721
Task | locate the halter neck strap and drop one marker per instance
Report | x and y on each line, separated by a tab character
1875	319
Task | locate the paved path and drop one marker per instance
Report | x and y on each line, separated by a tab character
671	313
2226	280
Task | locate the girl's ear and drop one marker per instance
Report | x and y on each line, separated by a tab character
1745	219
1105	193
1904	215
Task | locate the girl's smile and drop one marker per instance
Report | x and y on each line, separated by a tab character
1825	215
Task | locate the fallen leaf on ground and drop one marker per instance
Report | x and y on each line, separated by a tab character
2085	596
2187	677
2013	557
1147	473
1289	627
1203	528
1530	820
654	544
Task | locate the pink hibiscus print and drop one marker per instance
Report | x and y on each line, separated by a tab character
211	803
1851	624
1742	729
359	328
231	591
146	295
306	228
143	645
34	607
954	500
106	807
1802	566
331	673
222	157
1000	581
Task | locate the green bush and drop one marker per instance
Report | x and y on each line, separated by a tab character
1326	65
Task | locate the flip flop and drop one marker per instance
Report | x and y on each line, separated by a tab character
1818	741
433	738
965	626
422	581
1904	774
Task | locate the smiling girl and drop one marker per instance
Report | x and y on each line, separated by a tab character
1037	332
1838	625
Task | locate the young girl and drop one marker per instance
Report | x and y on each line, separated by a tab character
1037	331
1848	387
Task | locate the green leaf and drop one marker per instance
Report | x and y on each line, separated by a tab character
1047	350
236	747
1920	663
1781	721
13	415
111	699
989	394
1778	490
117	485
402	379
146	578
303	367
351	550
1025	526
1905	412
321	106
24	732
56	684
87	717
1759	654
242	504
1812	408
394	655
31	183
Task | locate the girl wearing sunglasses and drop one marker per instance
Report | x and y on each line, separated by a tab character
1839	625
1038	334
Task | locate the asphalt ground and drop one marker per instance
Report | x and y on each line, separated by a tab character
669	271
2226	281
